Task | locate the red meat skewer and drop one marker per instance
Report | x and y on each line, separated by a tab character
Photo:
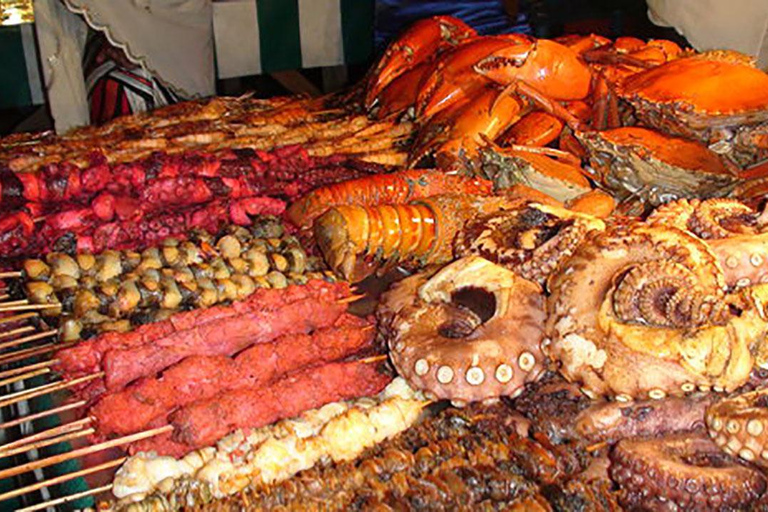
220	330
204	422
135	407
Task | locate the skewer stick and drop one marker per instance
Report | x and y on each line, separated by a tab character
72	426
345	300
42	414
62	478
14	332
27	368
4	296
17	318
29	307
20	302
29	352
596	446
374	359
48	442
47	388
24	376
27	339
56	459
66	499
7	275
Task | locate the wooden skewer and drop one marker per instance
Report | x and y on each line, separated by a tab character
27	339
17	318
374	359
48	442
27	368
62	478
29	307
47	388
42	414
24	376
56	459
20	302
10	357
14	332
345	300
6	275
72	426
4	296
66	499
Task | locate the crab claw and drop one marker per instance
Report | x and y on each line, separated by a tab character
553	69
416	45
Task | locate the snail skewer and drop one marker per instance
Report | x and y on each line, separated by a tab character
14	332
17	318
43	414
80	452
46	389
62	478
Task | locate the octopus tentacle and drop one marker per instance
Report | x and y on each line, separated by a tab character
612	421
735	233
641	311
532	241
471	332
685	470
739	425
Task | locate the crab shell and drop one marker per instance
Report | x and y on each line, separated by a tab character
699	95
657	167
559	180
435	351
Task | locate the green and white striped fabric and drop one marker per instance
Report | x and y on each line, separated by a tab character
20	83
262	36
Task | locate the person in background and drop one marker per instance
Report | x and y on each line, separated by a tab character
485	16
102	59
740	25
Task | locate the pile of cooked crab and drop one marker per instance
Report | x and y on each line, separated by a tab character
580	118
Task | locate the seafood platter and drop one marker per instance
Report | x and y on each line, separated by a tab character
500	273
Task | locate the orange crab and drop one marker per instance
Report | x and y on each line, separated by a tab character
718	98
638	163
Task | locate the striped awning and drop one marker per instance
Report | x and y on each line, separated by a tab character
20	83
263	36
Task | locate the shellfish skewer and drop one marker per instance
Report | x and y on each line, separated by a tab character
48	442
17	318
74	454
72	426
28	339
14	332
46	389
66	499
28	307
42	414
64	478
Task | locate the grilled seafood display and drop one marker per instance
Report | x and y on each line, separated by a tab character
501	273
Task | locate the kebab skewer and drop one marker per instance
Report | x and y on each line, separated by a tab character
118	290
200	377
